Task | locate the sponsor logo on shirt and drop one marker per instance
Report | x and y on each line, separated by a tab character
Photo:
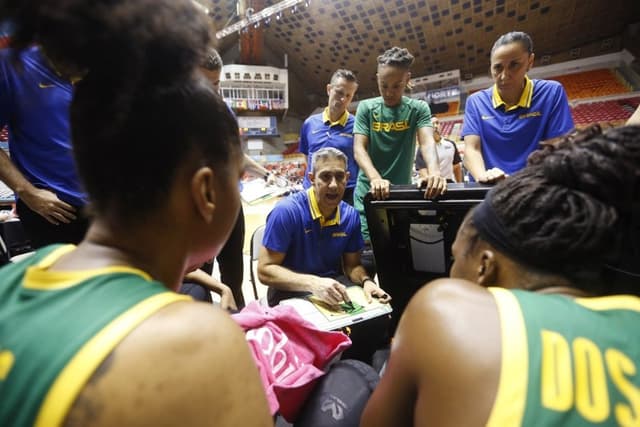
390	126
45	85
339	234
487	117
531	114
307	230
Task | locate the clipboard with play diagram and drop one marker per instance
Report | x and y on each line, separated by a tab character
324	318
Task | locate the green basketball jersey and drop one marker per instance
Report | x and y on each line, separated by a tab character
569	362
56	328
392	142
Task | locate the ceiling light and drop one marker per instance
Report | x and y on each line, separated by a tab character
257	17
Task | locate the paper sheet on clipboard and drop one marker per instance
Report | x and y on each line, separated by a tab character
327	319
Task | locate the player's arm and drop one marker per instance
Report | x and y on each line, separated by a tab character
457	172
361	155
212	284
474	162
379	185
457	163
354	270
432	181
429	375
187	365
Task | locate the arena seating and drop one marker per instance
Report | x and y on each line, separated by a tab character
592	84
454	109
614	112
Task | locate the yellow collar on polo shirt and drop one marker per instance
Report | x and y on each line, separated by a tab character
317	215
341	121
525	98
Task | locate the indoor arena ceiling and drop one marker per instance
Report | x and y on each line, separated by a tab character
443	35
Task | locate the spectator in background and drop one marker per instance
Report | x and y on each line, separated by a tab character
333	127
35	95
448	156
506	122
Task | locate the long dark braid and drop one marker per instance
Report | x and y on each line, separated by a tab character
573	208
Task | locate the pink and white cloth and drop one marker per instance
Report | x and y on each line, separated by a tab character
290	352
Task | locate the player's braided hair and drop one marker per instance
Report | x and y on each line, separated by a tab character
575	207
396	57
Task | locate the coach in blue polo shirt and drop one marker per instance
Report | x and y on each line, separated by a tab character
505	123
333	127
35	96
313	238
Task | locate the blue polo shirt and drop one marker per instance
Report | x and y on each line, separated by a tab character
34	103
312	244
508	136
318	132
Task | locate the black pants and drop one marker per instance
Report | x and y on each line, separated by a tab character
197	292
230	262
41	232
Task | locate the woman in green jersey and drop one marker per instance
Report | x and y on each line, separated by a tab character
538	324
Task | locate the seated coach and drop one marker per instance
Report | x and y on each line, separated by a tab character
312	239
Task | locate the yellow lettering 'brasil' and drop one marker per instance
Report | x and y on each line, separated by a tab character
391	126
6	363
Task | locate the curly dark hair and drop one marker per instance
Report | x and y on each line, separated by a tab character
142	107
575	207
396	57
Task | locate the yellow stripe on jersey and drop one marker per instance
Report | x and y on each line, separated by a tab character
616	302
65	389
508	408
38	276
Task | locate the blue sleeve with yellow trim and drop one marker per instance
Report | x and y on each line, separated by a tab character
5	89
560	119
471	122
303	145
282	224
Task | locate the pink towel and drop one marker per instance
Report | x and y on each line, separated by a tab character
290	352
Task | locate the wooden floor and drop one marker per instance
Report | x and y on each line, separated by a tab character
255	216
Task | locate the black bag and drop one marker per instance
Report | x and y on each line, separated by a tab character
340	396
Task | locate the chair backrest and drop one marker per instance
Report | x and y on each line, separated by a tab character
254	250
4	252
14	237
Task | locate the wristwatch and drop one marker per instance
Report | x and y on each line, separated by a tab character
365	279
